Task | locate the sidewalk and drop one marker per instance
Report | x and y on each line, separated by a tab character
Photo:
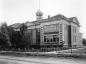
48	54
63	53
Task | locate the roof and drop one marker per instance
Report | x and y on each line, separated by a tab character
74	19
57	17
50	19
39	12
16	25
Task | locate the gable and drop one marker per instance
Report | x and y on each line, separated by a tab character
75	20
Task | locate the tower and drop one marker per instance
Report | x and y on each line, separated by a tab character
39	15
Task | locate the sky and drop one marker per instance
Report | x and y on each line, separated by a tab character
18	11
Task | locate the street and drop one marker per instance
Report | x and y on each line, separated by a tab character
40	60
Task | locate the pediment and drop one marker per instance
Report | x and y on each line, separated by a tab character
75	20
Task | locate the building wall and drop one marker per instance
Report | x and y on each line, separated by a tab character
75	35
79	40
41	35
33	36
29	35
49	31
65	30
44	28
55	26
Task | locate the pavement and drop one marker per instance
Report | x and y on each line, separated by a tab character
65	53
39	60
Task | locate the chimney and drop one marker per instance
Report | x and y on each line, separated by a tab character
48	16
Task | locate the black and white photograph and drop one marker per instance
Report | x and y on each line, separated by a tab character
42	31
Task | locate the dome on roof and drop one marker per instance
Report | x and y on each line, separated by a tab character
39	13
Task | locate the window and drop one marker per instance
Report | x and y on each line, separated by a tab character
54	38
51	40
45	40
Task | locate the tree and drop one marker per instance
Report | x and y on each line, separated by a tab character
14	39
23	29
24	37
19	39
5	36
3	41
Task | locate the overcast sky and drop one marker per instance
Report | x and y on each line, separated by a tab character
18	11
